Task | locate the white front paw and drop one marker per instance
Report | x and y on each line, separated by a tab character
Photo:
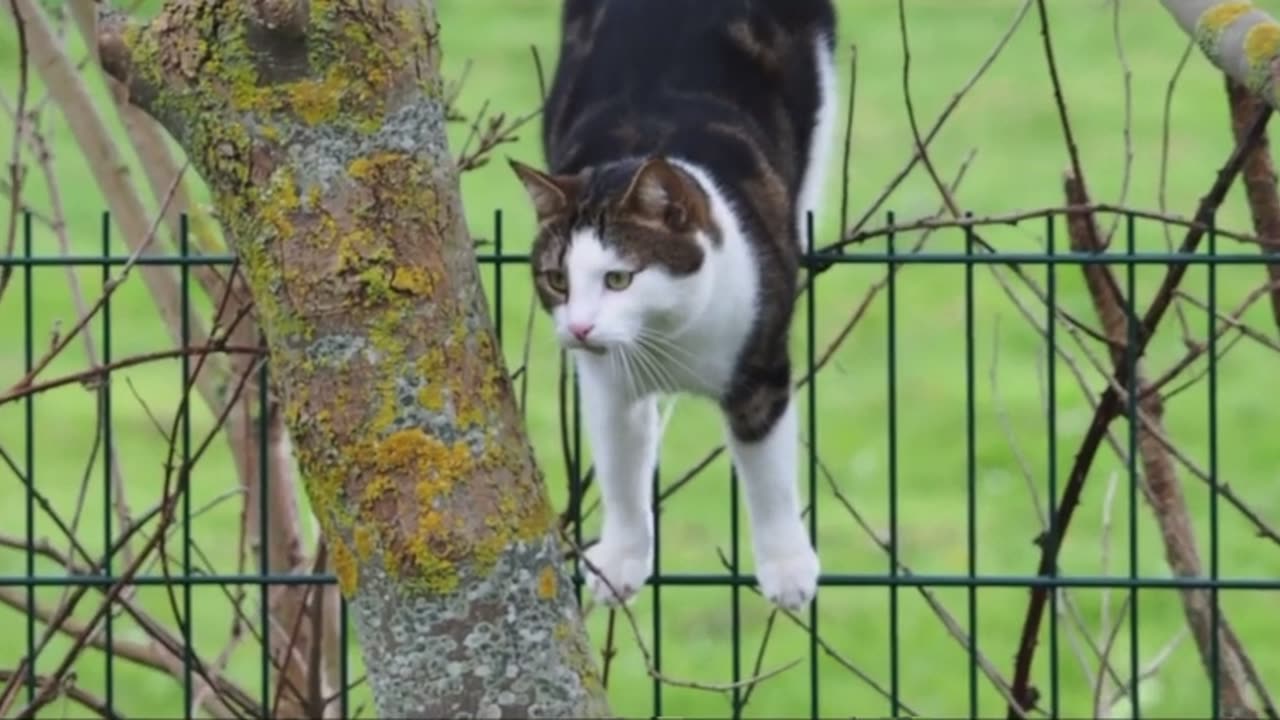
626	566
789	579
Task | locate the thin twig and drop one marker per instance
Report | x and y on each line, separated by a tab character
16	174
648	657
1109	407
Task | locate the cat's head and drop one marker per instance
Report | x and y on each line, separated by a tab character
620	250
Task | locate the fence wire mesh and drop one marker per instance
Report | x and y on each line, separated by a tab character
941	454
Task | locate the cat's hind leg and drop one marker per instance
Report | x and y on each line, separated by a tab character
763	434
623	434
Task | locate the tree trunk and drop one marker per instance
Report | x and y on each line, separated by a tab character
1241	39
320	128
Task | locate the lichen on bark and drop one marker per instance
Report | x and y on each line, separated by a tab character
319	127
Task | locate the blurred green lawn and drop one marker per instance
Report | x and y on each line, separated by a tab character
1010	119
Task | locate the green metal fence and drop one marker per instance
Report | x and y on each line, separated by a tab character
878	251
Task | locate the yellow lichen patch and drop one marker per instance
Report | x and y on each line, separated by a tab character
356	247
1261	46
281	202
317	100
547	583
366	168
375	490
1261	43
1213	22
364	541
1219	16
344	566
436	572
414	281
439	466
430	397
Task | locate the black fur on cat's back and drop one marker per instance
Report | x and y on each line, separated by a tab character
728	85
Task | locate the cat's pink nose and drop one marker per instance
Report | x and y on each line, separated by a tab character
581	330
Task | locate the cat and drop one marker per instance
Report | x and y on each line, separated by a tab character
686	141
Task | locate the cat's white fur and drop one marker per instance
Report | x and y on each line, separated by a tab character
662	335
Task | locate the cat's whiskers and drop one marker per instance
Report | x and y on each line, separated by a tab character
661	374
653	369
667	350
628	373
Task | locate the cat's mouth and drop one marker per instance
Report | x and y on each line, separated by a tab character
593	349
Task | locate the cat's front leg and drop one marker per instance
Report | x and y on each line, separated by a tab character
623	434
764	439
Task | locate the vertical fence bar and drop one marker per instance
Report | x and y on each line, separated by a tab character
497	282
1214	623
1051	423
28	359
811	353
185	474
735	591
344	659
892	344
264	531
971	467
657	586
1131	366
575	463
108	458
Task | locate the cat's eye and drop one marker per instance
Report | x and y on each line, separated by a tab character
617	280
557	281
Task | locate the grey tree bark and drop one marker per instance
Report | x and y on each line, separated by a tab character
320	128
1238	37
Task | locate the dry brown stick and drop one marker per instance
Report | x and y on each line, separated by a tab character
172	659
648	656
68	89
498	131
1259	180
15	151
1168	503
1255	678
1039	507
759	662
50	689
1233	321
948	620
40	148
610	649
1263	528
1152	668
829	650
1162	194
1013	218
171	493
1109	408
93	374
83	321
1108	643
161	655
1127	132
938	123
135	652
299	643
158	163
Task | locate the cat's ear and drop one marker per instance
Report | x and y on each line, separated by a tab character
659	191
551	195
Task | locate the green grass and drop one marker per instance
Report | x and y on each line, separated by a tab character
1010	119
